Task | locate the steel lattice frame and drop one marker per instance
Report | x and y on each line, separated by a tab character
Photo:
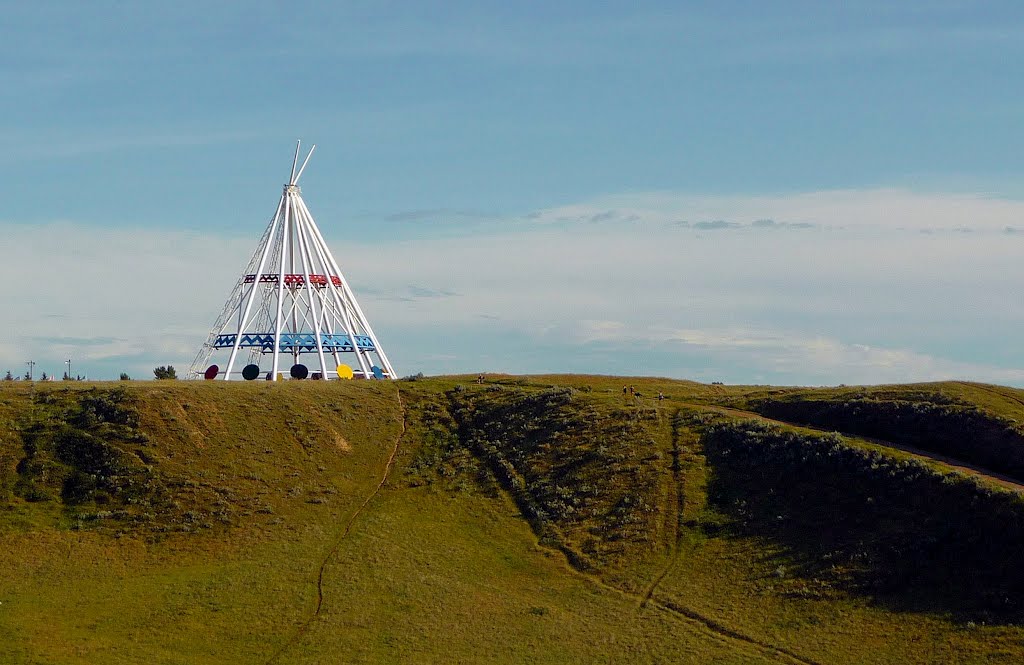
292	300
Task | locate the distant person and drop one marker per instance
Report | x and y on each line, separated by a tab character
631	390
624	390
661	396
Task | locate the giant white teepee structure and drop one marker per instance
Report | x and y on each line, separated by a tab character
292	300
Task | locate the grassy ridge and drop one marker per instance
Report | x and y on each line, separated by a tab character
282	465
920	537
586	477
540	519
977	424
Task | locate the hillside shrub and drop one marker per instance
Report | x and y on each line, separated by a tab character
961	431
80	452
870	520
581	474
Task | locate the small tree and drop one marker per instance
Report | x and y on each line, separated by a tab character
8	376
27	377
165	372
45	377
125	377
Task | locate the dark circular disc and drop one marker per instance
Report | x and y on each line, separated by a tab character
250	372
378	373
211	372
299	371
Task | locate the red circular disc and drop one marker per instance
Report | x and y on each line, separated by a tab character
211	372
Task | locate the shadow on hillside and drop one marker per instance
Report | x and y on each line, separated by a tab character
961	431
584	474
892	530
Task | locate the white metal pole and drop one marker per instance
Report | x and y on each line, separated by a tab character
295	160
252	291
311	292
296	295
344	312
303	167
350	297
350	302
340	314
207	349
280	291
343	303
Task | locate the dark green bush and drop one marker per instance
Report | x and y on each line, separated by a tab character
575	470
961	431
882	523
80	452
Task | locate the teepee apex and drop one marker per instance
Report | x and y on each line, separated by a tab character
292	300
293	180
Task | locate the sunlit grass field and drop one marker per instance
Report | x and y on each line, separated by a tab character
545	519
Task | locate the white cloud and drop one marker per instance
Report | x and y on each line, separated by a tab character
102	294
853	208
788	354
864	303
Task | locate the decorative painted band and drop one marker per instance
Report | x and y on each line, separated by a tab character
301	342
293	279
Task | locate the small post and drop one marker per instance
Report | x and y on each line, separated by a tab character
31	366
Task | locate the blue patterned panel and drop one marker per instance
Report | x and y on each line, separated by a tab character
290	342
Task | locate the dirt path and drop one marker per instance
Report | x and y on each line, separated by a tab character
714	628
992	391
966	468
682	612
304	628
721	629
673	512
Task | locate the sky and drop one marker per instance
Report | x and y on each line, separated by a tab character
789	192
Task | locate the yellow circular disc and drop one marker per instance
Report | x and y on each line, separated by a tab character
344	372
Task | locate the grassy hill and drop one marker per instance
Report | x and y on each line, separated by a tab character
526	519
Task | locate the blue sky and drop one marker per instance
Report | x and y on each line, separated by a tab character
529	186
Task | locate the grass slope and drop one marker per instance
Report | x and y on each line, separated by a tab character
974	423
530	519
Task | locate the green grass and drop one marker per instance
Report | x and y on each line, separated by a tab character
973	423
520	522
